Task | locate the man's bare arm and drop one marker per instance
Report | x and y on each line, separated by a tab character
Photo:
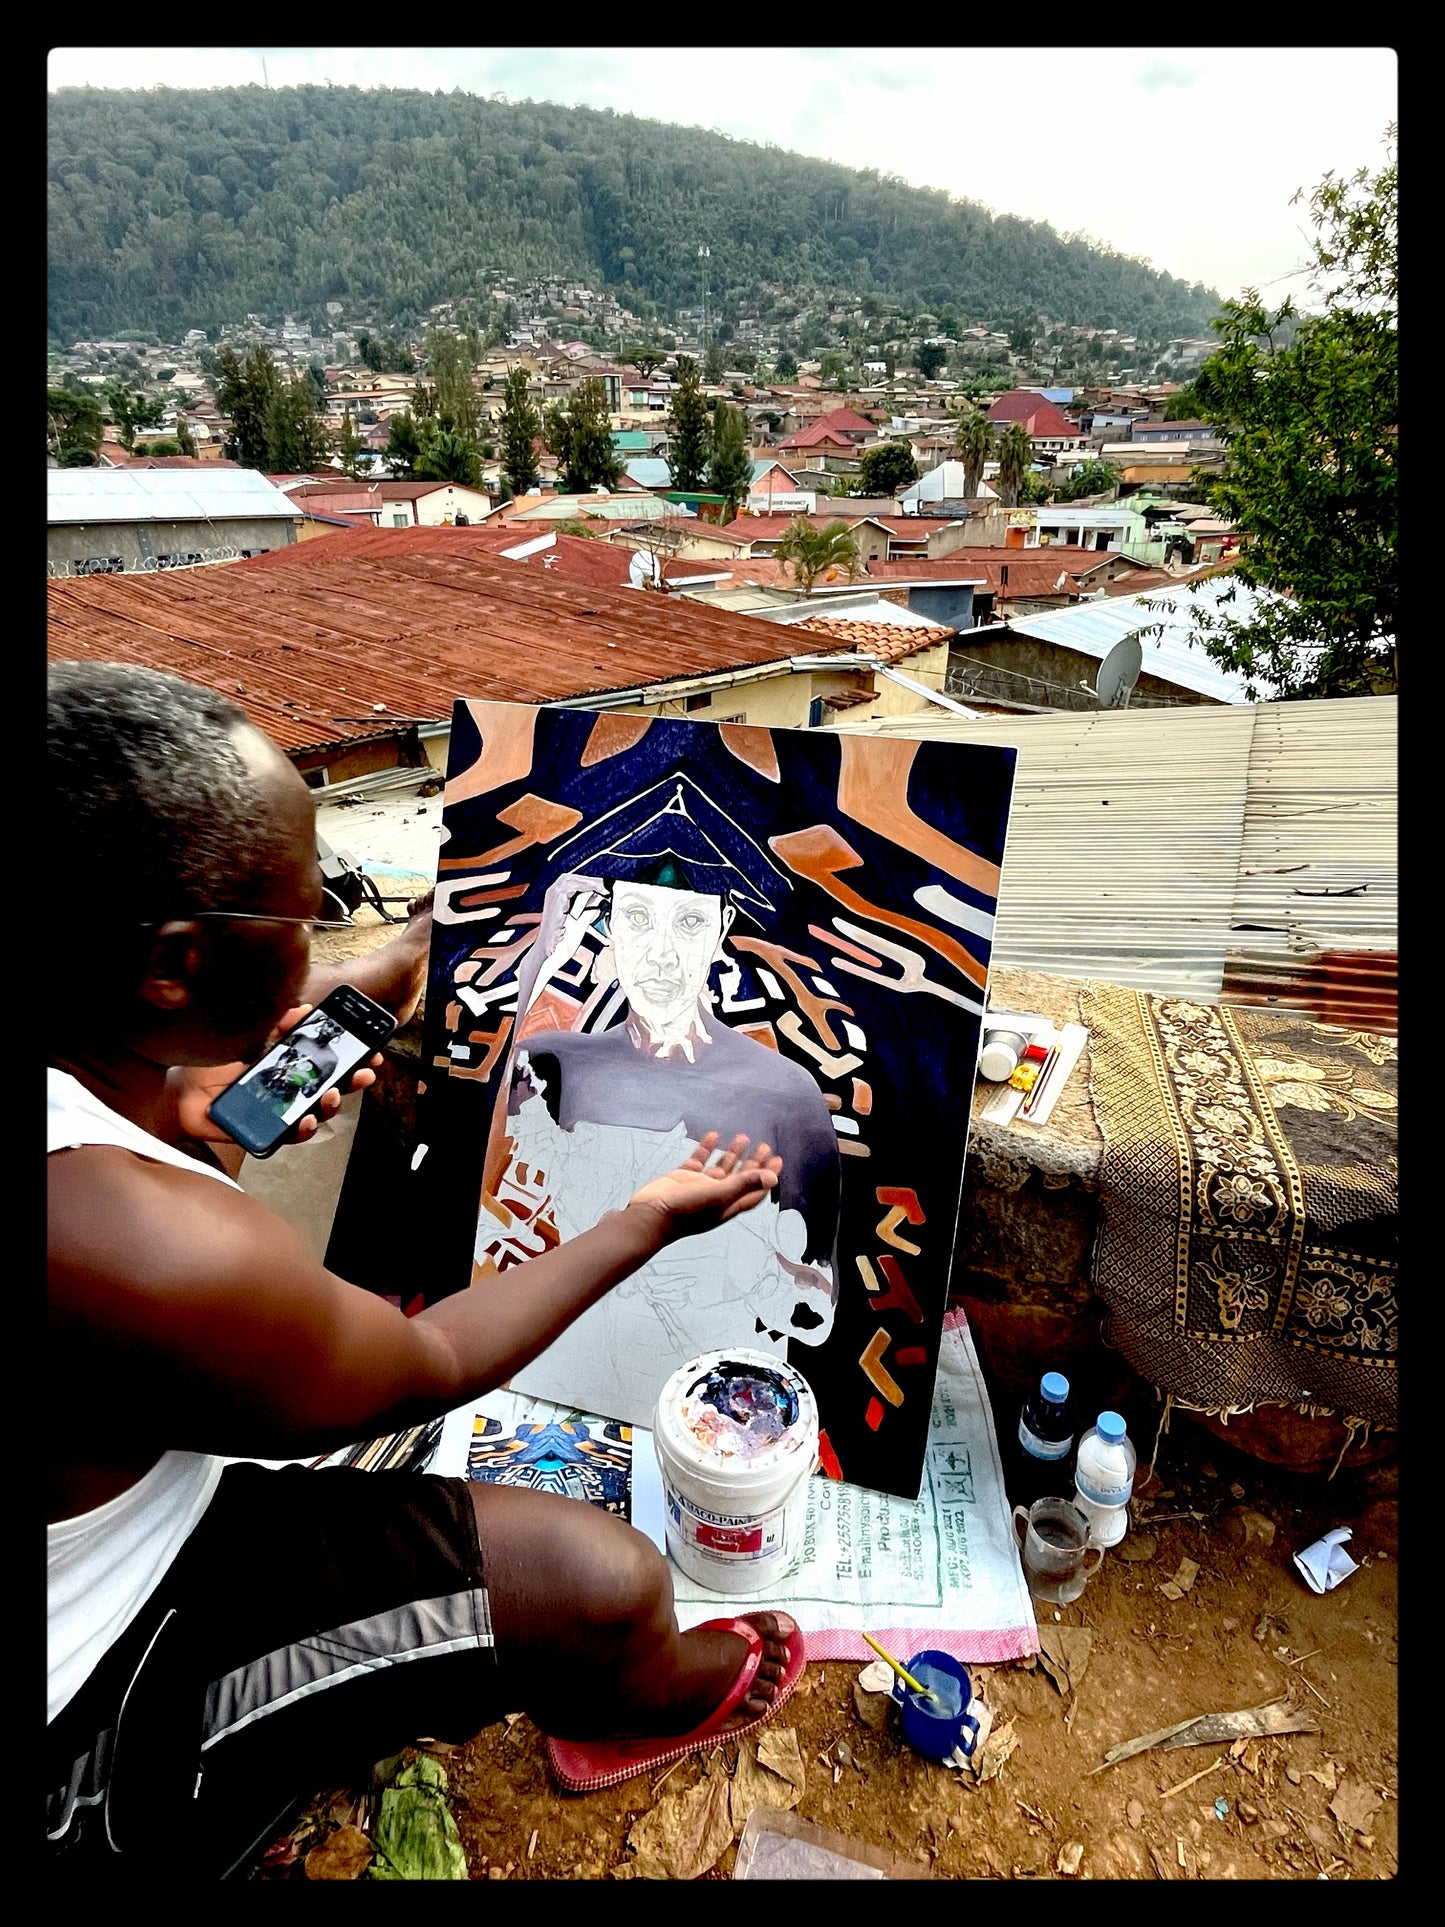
215	1331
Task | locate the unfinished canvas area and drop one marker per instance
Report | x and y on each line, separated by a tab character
1248	1250
945	1565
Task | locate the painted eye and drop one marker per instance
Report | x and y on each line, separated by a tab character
639	919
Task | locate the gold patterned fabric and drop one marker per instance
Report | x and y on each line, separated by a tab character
1247	1253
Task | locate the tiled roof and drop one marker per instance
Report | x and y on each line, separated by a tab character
1031	572
880	639
1039	415
770	528
179	461
816	435
308	639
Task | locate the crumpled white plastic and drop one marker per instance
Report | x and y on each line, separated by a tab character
1324	1564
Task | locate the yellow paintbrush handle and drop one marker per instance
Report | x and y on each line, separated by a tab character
902	1671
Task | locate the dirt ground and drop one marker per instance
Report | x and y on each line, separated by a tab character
1246	1631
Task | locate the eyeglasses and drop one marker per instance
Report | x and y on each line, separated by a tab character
344	922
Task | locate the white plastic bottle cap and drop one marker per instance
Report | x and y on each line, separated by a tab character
999	1058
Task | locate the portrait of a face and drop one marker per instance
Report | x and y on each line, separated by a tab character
664	944
650	928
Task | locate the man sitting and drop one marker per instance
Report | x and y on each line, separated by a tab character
225	1637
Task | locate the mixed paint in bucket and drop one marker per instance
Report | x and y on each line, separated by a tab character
736	1435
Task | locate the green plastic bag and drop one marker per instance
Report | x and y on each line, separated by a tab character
414	1834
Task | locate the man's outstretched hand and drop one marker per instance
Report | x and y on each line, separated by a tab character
701	1193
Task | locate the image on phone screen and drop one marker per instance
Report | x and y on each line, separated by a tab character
276	1092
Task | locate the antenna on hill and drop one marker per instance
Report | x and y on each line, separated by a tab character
265	77
1118	673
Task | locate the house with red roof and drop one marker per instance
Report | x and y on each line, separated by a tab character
1048	427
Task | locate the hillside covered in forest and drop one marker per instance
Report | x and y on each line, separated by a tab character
176	208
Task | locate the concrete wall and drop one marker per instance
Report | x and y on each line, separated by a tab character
444	504
774	702
1046	661
951	606
139	545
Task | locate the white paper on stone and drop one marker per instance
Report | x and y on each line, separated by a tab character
942	1570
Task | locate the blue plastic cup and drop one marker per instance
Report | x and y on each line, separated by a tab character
929	1732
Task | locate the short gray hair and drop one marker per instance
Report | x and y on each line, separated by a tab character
158	813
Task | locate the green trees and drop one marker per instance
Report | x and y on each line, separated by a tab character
244	390
385	355
130	410
810	551
689	435
1309	474
579	434
447	456
1015	454
403	444
786	366
973	444
1089	478
730	462
521	426
930	359
296	435
275	422
833	370
178	206
350	448
884	471
450	360
713	363
73	428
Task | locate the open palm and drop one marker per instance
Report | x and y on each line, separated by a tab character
705	1190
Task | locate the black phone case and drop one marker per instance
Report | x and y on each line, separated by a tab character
362	1018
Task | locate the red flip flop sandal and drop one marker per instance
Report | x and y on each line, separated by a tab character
585	1766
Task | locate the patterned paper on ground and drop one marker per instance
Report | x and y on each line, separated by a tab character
941	1571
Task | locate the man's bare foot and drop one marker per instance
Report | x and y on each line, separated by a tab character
726	1652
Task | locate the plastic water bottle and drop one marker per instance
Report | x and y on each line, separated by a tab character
1046	1438
1104	1479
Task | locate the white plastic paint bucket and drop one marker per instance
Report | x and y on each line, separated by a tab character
736	1435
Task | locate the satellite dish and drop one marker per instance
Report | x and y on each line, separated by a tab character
1118	673
643	571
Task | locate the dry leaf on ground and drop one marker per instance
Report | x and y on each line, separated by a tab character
774	1779
993	1755
684	1834
1064	1654
1355	1804
1208	1729
342	1855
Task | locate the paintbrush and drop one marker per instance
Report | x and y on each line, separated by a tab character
902	1671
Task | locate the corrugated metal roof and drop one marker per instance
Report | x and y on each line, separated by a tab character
1245	853
207	494
1094	627
308	644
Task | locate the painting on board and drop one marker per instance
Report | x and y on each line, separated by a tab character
648	928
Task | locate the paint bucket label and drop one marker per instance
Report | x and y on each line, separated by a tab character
702	1533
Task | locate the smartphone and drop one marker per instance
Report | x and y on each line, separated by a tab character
266	1101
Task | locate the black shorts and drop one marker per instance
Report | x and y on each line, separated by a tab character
314	1623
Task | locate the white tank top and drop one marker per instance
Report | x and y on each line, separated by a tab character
102	1566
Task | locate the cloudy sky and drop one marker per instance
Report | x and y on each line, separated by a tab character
1187	157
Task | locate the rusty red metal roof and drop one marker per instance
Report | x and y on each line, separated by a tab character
310	638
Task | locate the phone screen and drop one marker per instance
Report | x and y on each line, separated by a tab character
263	1104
